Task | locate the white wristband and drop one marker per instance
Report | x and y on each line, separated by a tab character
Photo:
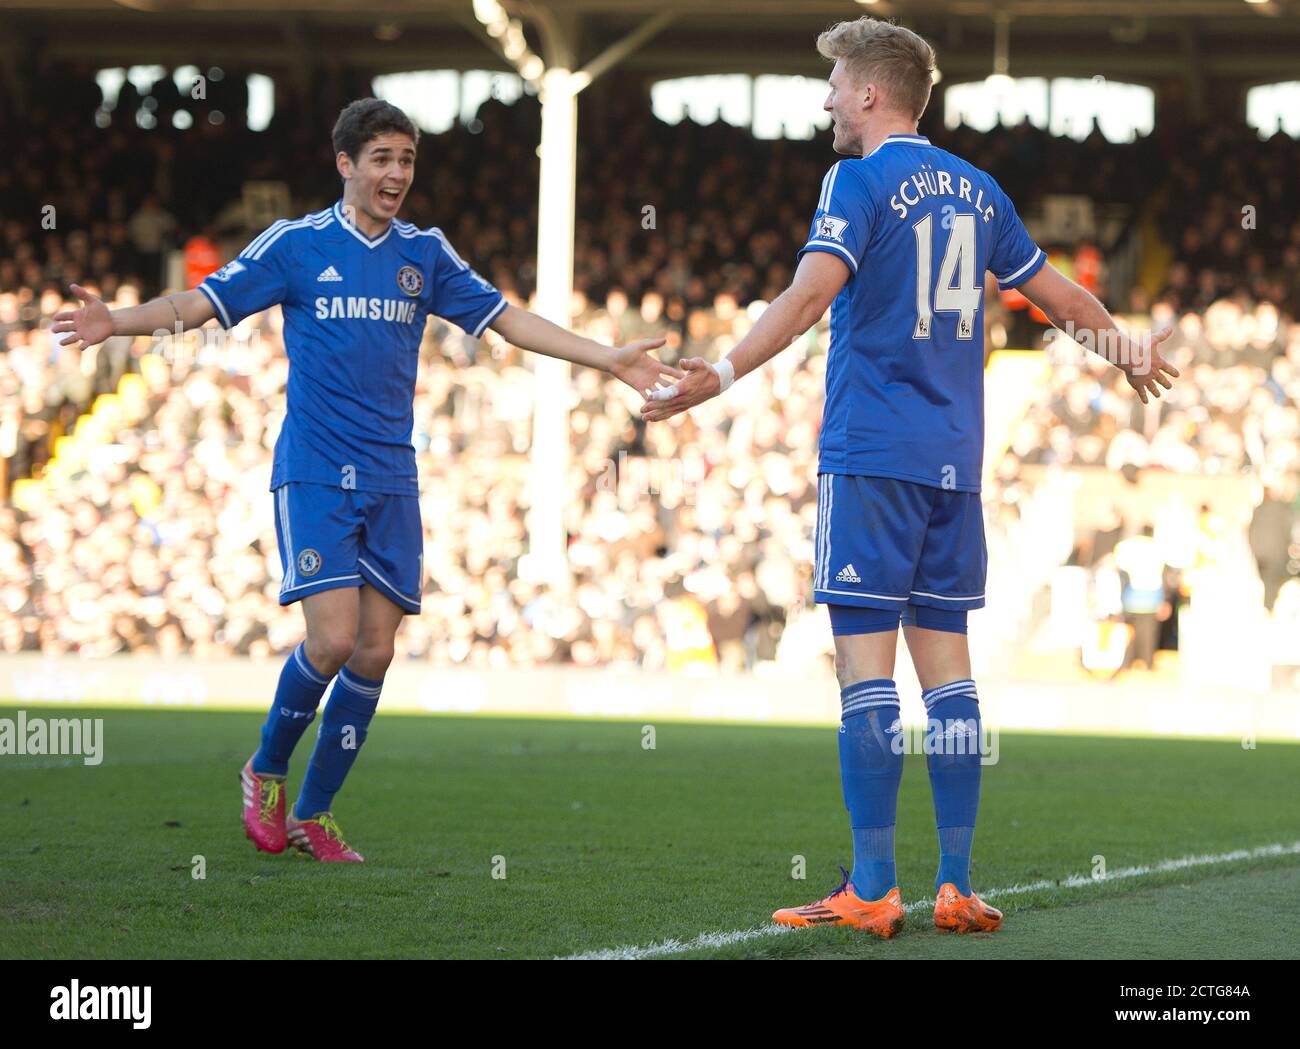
726	373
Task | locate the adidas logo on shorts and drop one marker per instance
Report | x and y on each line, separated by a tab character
848	574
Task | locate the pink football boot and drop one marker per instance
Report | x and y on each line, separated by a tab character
263	809
320	838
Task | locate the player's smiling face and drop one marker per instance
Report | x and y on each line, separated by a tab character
378	181
844	104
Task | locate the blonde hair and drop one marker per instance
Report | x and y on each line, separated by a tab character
897	59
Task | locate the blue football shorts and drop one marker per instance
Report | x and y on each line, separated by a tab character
887	544
334	537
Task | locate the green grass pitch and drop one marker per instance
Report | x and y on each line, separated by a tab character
606	844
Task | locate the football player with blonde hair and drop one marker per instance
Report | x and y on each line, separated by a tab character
902	235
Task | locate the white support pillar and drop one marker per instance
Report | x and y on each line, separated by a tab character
555	217
559	87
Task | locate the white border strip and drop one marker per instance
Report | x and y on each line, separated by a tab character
819	548
488	318
706	941
291	565
826	245
1032	259
828	186
216	301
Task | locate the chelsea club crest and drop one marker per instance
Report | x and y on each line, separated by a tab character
309	562
410	281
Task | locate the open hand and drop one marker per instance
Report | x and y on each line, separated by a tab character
88	326
634	365
1157	372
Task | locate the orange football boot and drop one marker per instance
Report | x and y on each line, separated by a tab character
882	917
954	912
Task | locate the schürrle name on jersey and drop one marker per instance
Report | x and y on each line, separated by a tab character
931	183
361	307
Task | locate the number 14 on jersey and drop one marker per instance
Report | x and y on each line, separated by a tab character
963	297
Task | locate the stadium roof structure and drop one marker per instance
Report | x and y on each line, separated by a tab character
1138	40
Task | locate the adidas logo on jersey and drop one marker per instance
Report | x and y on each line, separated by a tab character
848	574
329	274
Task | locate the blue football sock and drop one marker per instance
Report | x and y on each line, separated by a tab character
296	698
342	731
871	766
953	760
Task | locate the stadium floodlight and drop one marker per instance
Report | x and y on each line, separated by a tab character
492	15
999	79
509	34
532	68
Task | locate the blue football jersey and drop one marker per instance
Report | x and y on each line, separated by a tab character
918	228
354	314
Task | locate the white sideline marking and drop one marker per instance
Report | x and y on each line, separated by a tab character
1075	881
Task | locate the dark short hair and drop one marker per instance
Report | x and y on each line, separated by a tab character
367	118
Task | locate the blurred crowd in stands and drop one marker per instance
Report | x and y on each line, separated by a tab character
690	542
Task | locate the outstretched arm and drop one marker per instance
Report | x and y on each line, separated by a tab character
817	281
1076	311
94	322
632	363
